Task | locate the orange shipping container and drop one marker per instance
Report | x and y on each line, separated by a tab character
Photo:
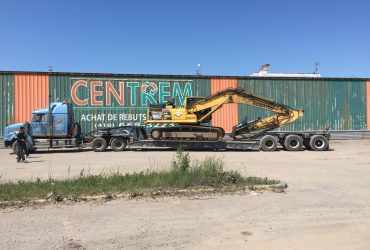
227	116
30	92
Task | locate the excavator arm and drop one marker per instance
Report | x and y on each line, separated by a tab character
200	111
284	114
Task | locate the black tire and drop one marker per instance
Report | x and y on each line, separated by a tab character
99	144
319	143
118	144
268	143
293	143
30	149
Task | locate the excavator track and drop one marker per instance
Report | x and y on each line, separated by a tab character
188	133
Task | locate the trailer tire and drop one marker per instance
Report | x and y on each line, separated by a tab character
269	143
319	143
293	143
99	144
118	144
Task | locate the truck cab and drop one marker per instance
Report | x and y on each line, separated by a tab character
56	123
50	127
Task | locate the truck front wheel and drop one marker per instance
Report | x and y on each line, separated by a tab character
118	144
99	144
29	147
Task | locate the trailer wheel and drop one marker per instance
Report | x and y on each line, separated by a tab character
118	144
99	144
293	143
319	143
268	143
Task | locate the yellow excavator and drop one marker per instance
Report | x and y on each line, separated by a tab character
197	112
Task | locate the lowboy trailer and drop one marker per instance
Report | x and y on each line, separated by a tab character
128	137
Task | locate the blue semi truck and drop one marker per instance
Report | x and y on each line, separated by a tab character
50	127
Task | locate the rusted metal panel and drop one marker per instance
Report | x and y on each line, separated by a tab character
108	101
31	92
6	101
339	104
227	116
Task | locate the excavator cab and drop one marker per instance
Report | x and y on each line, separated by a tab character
190	101
165	113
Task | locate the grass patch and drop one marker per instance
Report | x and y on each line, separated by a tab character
184	173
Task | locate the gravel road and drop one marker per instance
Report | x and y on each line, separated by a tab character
327	204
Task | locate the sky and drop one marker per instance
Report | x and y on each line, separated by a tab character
231	37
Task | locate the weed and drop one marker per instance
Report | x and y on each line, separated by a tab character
184	173
181	160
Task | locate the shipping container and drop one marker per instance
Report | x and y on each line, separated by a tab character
30	92
227	116
337	104
7	100
368	103
107	100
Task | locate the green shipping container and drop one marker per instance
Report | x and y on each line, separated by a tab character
339	104
6	100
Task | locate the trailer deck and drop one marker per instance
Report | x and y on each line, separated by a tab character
197	145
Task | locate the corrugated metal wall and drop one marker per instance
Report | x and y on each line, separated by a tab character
343	104
6	101
368	103
31	92
227	116
339	104
113	101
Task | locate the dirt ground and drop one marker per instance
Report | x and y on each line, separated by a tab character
327	204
